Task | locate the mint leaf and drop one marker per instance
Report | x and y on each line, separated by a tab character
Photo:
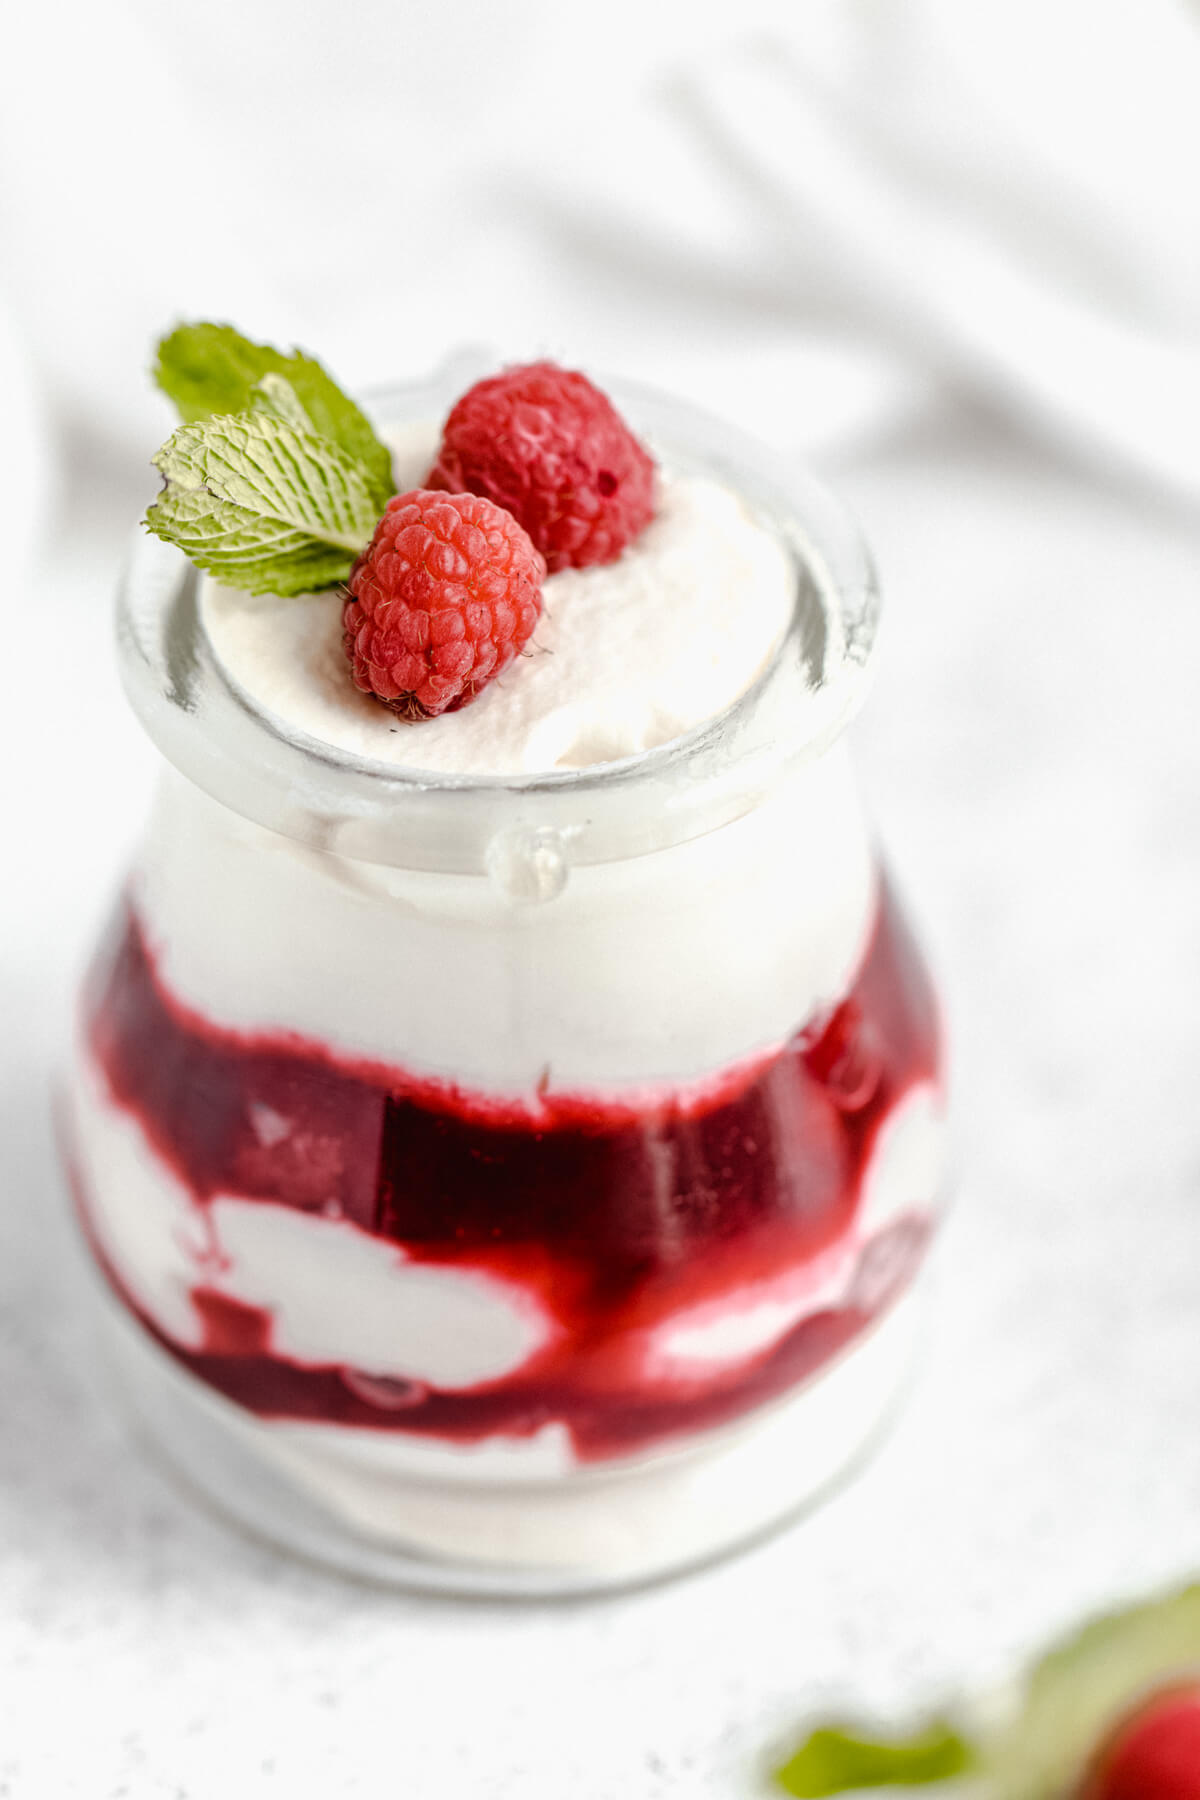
1040	1742
262	505
209	369
835	1762
278	397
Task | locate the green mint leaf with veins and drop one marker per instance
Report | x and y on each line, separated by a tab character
836	1762
209	369
275	395
261	504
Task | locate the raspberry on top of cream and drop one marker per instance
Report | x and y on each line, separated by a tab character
626	656
529	565
549	447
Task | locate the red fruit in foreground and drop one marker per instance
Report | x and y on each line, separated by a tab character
550	448
441	600
1154	1755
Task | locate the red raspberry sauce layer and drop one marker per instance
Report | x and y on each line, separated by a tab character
615	1212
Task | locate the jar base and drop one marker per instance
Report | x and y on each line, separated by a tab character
340	1498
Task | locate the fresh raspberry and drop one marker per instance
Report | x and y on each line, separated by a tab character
1155	1755
550	448
441	600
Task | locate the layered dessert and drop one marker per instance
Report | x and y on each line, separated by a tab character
518	1162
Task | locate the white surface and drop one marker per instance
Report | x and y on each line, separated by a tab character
1037	780
624	657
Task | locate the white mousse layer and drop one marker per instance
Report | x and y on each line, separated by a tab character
343	1497
666	967
625	657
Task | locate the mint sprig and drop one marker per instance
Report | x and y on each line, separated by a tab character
833	1761
1038	1744
1084	1686
263	504
276	395
209	369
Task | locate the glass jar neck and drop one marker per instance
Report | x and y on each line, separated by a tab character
274	774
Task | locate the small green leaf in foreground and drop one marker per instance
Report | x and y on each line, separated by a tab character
209	369
836	1762
1079	1691
262	505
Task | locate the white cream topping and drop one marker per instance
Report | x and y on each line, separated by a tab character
625	657
339	1296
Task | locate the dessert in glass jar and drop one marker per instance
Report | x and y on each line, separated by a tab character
508	1125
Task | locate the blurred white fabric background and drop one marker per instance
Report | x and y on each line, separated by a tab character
800	209
952	253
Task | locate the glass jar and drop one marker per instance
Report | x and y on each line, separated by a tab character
512	1185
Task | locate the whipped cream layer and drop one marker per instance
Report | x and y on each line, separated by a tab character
366	1504
625	657
663	968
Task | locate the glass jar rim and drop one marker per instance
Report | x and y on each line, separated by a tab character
275	774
